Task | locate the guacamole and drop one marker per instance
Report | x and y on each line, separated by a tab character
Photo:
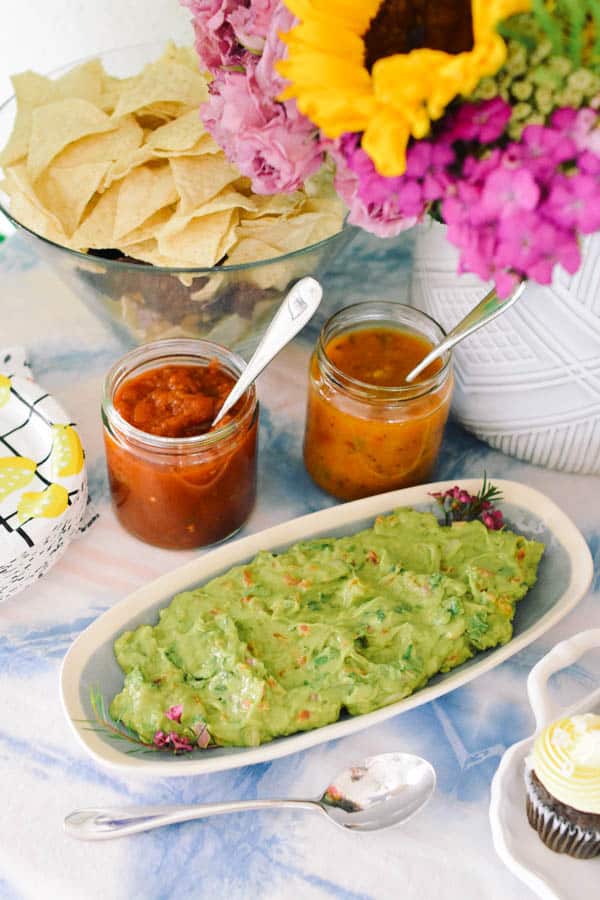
288	641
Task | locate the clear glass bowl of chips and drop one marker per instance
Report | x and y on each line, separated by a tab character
110	174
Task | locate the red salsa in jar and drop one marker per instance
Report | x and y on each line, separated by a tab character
175	481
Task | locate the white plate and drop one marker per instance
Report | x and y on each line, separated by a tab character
552	876
564	576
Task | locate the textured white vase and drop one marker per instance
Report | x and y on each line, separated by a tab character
529	383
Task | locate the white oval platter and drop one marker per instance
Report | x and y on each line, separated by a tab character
564	576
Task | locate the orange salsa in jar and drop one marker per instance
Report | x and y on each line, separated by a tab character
175	481
368	430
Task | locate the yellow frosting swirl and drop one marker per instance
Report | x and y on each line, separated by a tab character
566	759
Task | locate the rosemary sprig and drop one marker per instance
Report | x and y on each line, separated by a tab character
458	505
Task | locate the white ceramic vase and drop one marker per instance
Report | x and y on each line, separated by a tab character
528	383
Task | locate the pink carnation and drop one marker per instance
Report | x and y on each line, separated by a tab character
217	44
270	142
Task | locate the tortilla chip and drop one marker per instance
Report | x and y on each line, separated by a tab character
84	81
182	134
33	216
106	146
199	178
227	199
98	225
31	90
147	230
57	124
291	233
277	275
275	205
142	192
67	191
163	82
196	241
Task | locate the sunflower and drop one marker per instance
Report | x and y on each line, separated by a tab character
388	68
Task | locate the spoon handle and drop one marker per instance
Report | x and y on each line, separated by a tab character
298	307
486	310
112	822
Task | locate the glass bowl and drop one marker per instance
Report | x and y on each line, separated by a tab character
230	305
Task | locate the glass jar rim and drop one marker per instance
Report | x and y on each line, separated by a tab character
169	351
359	315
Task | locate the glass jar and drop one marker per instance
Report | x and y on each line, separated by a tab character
362	438
181	492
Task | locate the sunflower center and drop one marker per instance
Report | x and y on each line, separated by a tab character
404	25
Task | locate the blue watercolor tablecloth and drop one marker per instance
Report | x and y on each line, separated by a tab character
445	852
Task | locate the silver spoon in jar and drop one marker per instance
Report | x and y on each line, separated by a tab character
486	310
298	307
378	793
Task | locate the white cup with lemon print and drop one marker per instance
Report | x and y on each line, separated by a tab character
43	486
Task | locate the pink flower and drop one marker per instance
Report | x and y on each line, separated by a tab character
506	192
179	742
202	734
493	520
160	739
574	202
581	126
174	713
270	142
217	44
483	122
278	157
251	22
269	81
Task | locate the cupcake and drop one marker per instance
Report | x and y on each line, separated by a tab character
563	786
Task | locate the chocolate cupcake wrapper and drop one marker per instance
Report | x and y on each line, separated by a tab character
556	831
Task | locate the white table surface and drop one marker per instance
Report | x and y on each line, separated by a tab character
445	852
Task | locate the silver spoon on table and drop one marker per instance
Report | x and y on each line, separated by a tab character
298	307
378	793
488	309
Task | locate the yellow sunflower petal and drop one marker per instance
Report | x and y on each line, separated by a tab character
385	140
4	390
66	457
46	504
15	473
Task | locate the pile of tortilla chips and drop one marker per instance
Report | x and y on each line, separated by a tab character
97	163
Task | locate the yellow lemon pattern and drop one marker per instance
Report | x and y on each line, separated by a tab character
67	453
45	504
4	390
15	473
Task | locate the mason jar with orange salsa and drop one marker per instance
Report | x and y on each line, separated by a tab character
176	481
368	430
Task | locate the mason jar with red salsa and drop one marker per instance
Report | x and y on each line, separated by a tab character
176	481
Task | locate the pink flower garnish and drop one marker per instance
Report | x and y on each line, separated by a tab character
202	734
174	713
160	739
178	742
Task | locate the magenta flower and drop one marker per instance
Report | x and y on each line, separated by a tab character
574	202
174	713
506	192
160	739
179	742
494	520
483	122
